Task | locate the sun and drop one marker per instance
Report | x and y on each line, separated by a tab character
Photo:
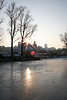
28	40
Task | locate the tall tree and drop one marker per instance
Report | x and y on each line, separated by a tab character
26	28
1	20
64	38
1	34
1	4
13	12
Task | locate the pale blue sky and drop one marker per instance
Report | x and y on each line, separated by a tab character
51	18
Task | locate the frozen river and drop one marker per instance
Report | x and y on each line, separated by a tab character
34	80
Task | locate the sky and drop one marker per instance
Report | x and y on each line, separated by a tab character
49	15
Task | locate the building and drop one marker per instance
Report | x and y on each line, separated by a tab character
46	46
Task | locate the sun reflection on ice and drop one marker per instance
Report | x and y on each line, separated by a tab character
28	73
28	80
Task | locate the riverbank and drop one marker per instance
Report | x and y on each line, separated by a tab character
30	58
8	59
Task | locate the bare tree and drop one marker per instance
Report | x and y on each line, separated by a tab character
64	38
1	34
26	28
13	12
1	20
1	4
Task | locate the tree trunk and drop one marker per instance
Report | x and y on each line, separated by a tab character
11	41
66	45
22	46
22	41
12	47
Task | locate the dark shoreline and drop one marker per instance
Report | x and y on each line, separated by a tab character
15	59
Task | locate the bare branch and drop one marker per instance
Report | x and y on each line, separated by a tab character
14	12
1	34
1	21
16	40
33	29
1	4
64	38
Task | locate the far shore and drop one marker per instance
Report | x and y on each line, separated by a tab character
14	59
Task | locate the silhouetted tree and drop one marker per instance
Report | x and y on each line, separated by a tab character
26	28
64	38
1	20
1	34
1	6
13	13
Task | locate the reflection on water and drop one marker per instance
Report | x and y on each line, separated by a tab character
28	74
28	79
11	74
